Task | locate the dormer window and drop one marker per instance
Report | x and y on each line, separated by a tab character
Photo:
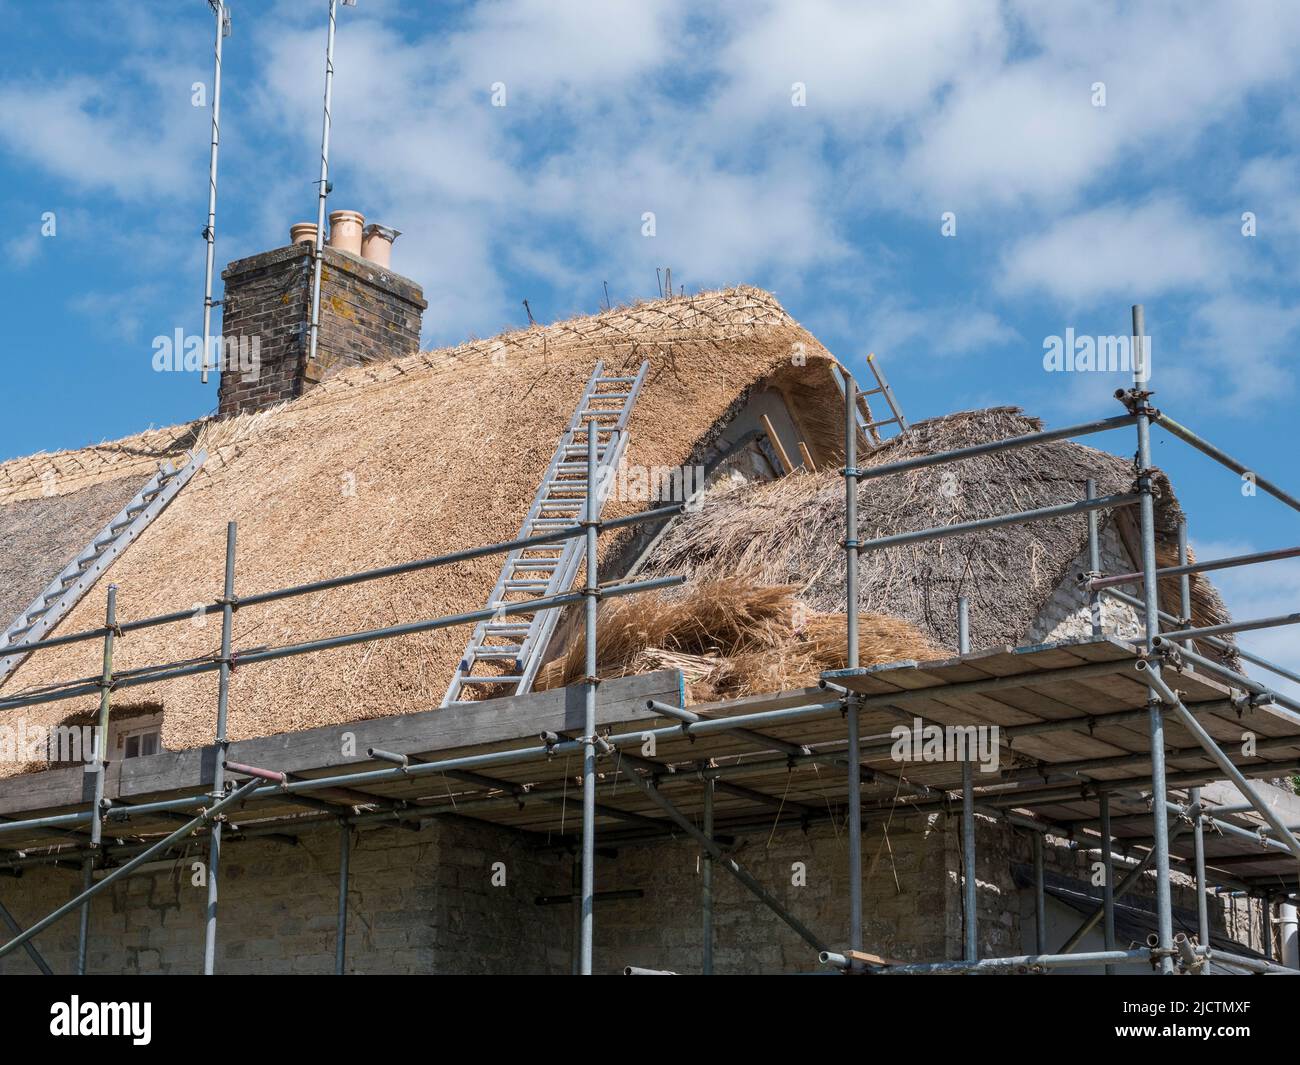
135	737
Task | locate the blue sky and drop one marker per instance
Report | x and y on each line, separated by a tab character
1067	212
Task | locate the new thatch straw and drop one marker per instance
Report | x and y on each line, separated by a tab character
390	462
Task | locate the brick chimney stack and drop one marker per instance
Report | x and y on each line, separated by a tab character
367	314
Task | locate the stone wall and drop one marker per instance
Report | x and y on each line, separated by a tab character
425	902
1066	614
432	902
418	902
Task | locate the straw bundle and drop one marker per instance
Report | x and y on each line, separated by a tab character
730	637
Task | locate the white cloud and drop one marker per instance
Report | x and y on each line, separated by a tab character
936	331
622	107
539	48
1138	251
1026	131
865	65
23	249
89	133
1269	187
1245	345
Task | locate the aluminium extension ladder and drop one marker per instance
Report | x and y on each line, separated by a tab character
518	641
80	575
867	425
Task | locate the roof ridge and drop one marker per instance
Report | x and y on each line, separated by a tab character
713	316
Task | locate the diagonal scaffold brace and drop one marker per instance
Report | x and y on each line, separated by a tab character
630	763
204	817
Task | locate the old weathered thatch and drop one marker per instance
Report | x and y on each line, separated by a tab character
791	531
729	638
396	461
42	535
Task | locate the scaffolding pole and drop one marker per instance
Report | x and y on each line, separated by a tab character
590	597
1139	404
706	881
1222	457
851	658
1094	565
1202	888
1284	707
1108	874
468	554
1162	692
1040	898
12	924
1185	567
1221	645
341	937
205	817
651	791
223	747
968	879
99	768
1023	963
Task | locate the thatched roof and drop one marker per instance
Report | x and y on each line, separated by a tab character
43	534
790	531
396	461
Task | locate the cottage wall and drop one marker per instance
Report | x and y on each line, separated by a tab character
463	897
1066	614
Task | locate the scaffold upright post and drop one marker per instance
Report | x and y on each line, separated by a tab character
223	747
589	696
1184	582
341	938
851	657
706	881
1094	571
1139	398
1266	924
99	768
1040	897
1202	888
1108	874
968	879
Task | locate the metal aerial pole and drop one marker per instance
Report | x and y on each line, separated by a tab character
1139	398
222	17
323	185
223	747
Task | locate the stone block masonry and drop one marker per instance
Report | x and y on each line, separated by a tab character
461	897
418	902
368	314
427	902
